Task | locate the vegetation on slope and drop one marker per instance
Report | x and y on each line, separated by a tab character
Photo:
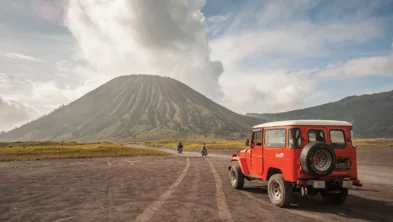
371	115
53	150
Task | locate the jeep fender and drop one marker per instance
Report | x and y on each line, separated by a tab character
242	162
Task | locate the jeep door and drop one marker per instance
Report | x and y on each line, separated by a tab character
256	153
276	155
339	139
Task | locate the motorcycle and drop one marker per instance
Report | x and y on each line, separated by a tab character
204	152
179	150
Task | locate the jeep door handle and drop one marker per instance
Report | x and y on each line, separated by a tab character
261	158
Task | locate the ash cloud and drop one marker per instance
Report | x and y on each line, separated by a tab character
165	37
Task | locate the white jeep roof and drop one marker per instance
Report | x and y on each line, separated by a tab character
304	123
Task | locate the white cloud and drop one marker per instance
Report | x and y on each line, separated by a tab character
5	82
13	113
378	65
232	48
13	88
13	55
43	97
364	66
298	39
283	31
270	91
51	11
216	23
48	95
154	37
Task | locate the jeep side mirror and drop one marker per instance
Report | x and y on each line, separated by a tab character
247	142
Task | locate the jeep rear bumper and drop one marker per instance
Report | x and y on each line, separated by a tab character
321	184
357	183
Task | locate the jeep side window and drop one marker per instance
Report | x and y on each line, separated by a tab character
258	138
295	138
253	139
275	138
337	139
316	135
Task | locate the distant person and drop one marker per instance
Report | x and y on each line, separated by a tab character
296	140
203	146
180	147
204	150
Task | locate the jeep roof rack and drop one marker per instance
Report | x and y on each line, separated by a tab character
304	122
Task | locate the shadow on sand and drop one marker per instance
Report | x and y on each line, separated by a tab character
354	208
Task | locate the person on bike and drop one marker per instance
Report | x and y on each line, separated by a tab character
179	146
204	148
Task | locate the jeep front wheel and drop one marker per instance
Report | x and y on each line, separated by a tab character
335	198
280	191
237	177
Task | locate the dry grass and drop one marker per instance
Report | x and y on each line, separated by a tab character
54	150
222	144
197	144
374	142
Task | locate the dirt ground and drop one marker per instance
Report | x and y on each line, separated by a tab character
181	187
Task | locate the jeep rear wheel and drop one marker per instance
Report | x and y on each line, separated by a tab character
334	198
237	177
318	159
280	191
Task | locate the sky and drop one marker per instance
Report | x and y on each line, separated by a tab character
247	55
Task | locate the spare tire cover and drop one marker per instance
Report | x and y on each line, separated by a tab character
318	159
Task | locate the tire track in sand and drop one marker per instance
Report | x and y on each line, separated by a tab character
186	215
223	210
109	189
109	192
156	206
295	212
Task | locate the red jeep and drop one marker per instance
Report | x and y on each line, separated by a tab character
307	156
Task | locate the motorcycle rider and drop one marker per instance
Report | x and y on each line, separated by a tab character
179	147
204	148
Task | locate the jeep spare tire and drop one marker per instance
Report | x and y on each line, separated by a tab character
318	159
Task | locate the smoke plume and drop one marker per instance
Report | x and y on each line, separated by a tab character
165	37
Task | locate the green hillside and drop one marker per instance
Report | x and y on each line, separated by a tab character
137	107
371	115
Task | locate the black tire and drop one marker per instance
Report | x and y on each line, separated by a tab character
280	191
237	177
320	168
335	198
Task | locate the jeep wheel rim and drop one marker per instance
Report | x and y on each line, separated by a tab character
233	177
275	191
322	160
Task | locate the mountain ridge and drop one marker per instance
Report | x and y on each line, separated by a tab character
137	107
148	107
370	114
